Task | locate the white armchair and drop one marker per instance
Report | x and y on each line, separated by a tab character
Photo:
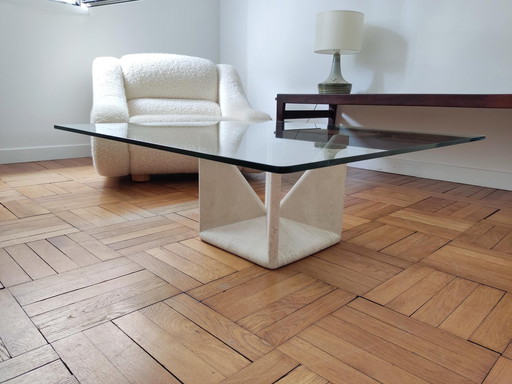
152	88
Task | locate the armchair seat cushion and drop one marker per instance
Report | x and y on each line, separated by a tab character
159	106
177	120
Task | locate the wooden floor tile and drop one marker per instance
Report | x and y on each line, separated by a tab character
415	247
489	235
381	237
30	261
428	223
237	293
372	270
218	254
486	267
500	373
127	210
74	297
503	216
413	298
86	362
394	287
370	210
468	316
32	228
350	222
302	375
358	358
276	310
290	325
35	178
508	351
375	255
134	292
184	221
25	208
51	286
54	372
228	282
93	246
53	256
336	275
98	216
29	361
74	251
5	214
495	332
17	332
241	340
10	271
4	353
210	349
73	201
194	263
501	196
323	364
129	358
165	271
460	356
19	169
174	356
392	196
265	370
432	204
259	299
343	326
162	204
445	302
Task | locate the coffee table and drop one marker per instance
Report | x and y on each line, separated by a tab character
277	231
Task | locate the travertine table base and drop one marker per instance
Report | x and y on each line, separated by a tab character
277	232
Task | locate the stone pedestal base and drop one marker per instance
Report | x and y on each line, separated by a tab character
307	220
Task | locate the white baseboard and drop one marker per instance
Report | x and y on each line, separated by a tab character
23	155
457	174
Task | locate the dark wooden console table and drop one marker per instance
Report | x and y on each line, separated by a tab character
416	100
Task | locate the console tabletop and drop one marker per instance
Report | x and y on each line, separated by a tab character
382	99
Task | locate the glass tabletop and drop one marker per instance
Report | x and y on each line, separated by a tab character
278	147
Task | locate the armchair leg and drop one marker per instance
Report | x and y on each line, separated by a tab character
141	178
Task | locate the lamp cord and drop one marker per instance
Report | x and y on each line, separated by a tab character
314	109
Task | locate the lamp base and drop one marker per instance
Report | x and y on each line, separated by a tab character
335	83
334	88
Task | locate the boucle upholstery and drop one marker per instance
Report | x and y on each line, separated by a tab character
169	76
153	106
156	89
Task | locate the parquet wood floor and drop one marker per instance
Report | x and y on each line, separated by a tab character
106	281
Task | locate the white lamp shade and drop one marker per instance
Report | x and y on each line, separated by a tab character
339	31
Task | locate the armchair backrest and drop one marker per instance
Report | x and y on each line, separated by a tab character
162	87
168	76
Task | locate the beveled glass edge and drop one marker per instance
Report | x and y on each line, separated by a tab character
276	168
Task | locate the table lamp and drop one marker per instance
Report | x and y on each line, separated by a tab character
338	33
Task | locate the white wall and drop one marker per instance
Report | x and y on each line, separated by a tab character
409	46
46	51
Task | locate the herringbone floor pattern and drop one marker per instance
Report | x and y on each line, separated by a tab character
106	281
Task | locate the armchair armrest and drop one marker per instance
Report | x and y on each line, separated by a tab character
109	100
232	100
110	158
